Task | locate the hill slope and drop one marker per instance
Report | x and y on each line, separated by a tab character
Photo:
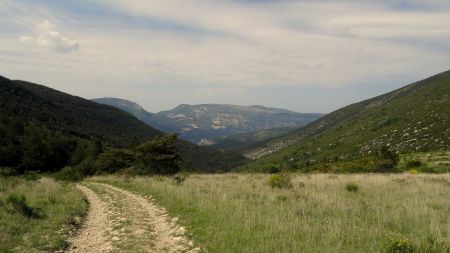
71	116
413	118
161	123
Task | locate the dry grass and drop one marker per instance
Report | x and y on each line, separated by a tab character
242	213
53	210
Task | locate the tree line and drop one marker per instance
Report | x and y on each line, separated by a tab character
30	146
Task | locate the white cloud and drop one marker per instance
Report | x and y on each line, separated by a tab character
233	46
46	35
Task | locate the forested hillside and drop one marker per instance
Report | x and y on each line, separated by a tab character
44	129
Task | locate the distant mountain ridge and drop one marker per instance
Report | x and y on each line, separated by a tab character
415	118
207	123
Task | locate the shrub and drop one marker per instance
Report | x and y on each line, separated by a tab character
17	204
68	174
352	187
272	169
180	178
413	172
388	159
413	164
426	169
395	244
7	172
133	171
31	176
280	181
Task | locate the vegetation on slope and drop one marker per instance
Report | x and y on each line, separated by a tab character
70	114
159	122
309	213
241	142
38	216
415	118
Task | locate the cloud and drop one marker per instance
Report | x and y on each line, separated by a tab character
47	35
194	51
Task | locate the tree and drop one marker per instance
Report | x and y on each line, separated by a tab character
159	155
114	159
388	159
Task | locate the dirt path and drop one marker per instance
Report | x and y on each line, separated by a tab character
120	221
93	234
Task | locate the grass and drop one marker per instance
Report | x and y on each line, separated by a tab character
37	216
431	162
242	213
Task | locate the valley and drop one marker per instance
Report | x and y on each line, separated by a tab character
227	126
84	176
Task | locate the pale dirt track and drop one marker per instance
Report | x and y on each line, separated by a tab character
121	221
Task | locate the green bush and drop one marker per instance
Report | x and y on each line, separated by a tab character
388	160
31	176
413	164
68	174
17	204
272	169
280	181
395	244
426	169
352	187
133	171
7	172
180	178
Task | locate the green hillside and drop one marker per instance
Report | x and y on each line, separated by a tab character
44	129
70	114
415	118
162	123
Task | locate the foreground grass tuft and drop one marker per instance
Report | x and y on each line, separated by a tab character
352	187
280	181
395	244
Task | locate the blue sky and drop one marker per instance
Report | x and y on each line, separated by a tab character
308	56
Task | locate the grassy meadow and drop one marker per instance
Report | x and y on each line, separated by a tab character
309	213
38	215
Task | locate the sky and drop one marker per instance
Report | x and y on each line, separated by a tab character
303	55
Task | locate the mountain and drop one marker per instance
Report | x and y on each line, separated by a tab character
204	123
209	123
415	118
79	120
